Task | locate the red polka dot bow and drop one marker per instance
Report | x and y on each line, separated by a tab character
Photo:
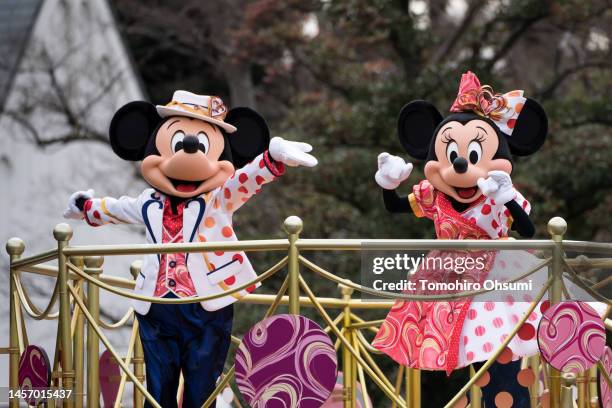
503	109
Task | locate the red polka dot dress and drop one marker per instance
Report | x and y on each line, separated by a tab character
445	335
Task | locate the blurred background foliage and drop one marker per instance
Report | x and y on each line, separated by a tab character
335	73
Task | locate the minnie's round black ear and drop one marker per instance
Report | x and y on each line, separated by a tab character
530	129
131	128
415	127
251	138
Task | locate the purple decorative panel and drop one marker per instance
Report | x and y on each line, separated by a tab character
286	361
34	370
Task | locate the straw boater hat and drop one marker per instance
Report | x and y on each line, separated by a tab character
204	107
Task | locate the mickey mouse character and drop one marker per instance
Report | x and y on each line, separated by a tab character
203	163
468	194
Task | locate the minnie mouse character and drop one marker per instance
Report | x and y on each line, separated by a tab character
468	194
203	163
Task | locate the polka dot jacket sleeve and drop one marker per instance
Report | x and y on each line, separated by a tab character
109	210
247	181
422	200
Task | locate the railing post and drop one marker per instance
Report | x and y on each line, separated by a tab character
138	358
93	267
63	233
414	384
15	248
79	339
475	392
293	226
556	228
592	378
567	397
534	389
582	383
348	362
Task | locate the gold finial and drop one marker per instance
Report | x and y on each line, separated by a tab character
346	291
94	262
135	268
569	379
62	232
293	225
15	246
78	261
557	226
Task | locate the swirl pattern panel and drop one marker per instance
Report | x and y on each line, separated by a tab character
34	370
571	336
286	361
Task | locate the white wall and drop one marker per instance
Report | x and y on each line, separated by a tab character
80	37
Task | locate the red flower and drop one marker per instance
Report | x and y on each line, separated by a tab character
467	97
469	82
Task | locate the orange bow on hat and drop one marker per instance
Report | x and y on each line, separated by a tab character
503	109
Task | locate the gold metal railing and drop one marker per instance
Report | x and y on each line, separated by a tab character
76	362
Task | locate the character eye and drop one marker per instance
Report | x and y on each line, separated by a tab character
203	143
474	151
177	141
452	151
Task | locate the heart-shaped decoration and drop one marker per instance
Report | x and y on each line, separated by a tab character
571	336
286	361
34	370
110	377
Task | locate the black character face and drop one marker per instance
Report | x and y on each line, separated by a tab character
465	146
185	157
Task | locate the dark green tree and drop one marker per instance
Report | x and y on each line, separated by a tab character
336	73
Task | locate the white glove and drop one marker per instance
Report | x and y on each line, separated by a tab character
291	153
224	400
392	170
72	211
498	187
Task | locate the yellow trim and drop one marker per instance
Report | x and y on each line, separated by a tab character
108	213
222	285
415	206
227	288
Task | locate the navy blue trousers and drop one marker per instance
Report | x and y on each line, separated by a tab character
184	338
503	377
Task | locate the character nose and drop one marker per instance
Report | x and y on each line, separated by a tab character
190	144
460	165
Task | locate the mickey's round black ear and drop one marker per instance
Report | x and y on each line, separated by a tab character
251	138
530	129
131	128
415	127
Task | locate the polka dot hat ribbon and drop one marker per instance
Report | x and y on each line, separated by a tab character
503	109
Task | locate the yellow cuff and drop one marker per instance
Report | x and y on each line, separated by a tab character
415	207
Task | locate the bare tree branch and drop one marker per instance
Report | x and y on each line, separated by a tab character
548	91
83	134
511	40
104	90
445	51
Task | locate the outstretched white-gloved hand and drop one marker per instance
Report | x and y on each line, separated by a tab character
72	211
392	171
291	153
498	187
